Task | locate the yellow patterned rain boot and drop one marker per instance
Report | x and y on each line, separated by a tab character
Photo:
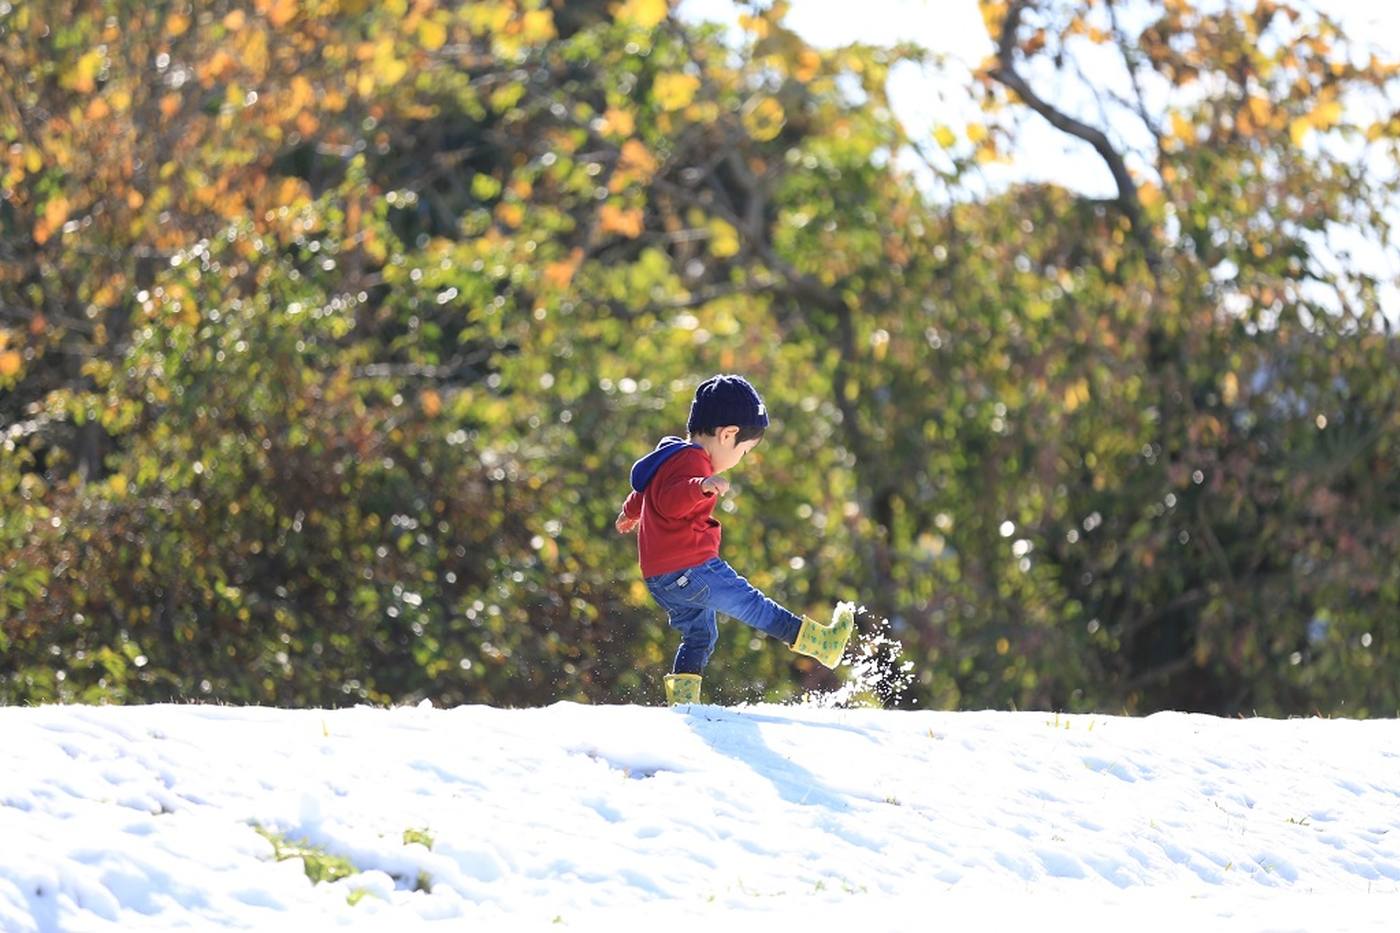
682	688
826	643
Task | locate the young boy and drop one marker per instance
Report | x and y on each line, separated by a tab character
674	492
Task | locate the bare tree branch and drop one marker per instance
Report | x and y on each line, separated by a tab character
1005	72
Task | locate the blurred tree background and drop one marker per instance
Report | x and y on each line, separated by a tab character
329	330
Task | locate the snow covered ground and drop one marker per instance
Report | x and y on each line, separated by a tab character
623	818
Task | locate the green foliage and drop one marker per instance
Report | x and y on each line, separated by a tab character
319	864
420	836
326	346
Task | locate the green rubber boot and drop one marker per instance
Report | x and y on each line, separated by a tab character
682	688
826	643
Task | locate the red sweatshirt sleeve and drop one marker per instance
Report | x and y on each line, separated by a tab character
680	491
632	508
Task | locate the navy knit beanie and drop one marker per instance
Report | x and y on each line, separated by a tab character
724	400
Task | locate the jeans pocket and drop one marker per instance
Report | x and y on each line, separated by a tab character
680	588
693	588
696	594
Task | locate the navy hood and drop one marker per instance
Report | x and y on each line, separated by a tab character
644	469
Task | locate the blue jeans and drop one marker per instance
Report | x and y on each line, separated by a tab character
692	596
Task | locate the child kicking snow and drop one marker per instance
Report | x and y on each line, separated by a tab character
674	492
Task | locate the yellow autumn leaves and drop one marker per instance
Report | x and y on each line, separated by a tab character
984	143
646	14
1326	115
675	90
1257	116
763	118
9	359
82	76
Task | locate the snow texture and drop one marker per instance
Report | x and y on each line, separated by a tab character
803	817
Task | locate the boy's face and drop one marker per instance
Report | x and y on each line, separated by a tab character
729	450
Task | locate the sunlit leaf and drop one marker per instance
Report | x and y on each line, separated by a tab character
724	239
674	90
646	14
81	77
537	26
1299	129
763	118
278	12
1326	115
616	122
432	35
626	222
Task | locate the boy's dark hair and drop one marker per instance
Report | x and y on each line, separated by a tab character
747	432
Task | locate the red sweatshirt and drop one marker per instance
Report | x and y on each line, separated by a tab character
677	530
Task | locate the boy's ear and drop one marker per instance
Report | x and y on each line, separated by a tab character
729	434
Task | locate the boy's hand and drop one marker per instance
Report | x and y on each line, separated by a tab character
625	525
715	485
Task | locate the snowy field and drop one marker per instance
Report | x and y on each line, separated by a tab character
700	818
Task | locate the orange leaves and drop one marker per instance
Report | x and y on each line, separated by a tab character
636	158
635	165
617	123
278	12
291	192
625	222
808	65
561	272
510	214
307	123
219	64
55	214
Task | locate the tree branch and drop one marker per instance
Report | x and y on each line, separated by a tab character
1005	72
